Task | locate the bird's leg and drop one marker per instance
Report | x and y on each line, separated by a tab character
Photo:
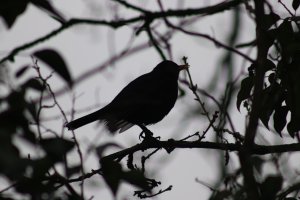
148	134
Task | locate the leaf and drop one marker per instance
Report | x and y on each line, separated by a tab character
56	148
279	118
34	84
258	163
28	134
56	62
16	101
269	65
244	93
285	35
43	4
270	19
40	167
296	4
272	78
10	120
292	128
271	96
137	178
11	9
11	165
112	173
270	187
73	170
21	71
292	84
32	108
34	186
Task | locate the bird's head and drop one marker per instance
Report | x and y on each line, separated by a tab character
170	68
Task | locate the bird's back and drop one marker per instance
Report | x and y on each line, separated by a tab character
145	100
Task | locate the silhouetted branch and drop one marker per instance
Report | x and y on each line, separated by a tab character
119	23
49	89
169	144
193	87
85	176
154	42
9	187
256	150
286	8
288	190
262	50
144	196
113	59
66	182
131	6
216	42
179	144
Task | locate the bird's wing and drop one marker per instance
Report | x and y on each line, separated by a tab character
114	125
145	100
138	88
139	93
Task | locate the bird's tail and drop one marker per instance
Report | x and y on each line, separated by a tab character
84	120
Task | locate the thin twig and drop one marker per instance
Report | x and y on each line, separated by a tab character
9	187
144	158
216	42
209	10
256	150
144	196
286	8
131	6
45	83
154	42
123	54
193	88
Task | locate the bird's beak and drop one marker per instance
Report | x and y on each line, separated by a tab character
182	67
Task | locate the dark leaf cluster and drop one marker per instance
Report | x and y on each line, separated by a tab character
29	175
232	189
281	92
10	10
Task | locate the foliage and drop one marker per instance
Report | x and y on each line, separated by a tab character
280	92
30	175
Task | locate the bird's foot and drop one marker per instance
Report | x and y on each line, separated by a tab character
148	138
145	131
146	134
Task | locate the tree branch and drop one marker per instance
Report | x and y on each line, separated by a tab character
127	51
210	38
119	23
245	153
179	144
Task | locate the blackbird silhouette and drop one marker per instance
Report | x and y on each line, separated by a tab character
144	101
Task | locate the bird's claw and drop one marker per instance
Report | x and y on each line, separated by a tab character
148	136
145	134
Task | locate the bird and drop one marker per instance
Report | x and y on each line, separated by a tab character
144	101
